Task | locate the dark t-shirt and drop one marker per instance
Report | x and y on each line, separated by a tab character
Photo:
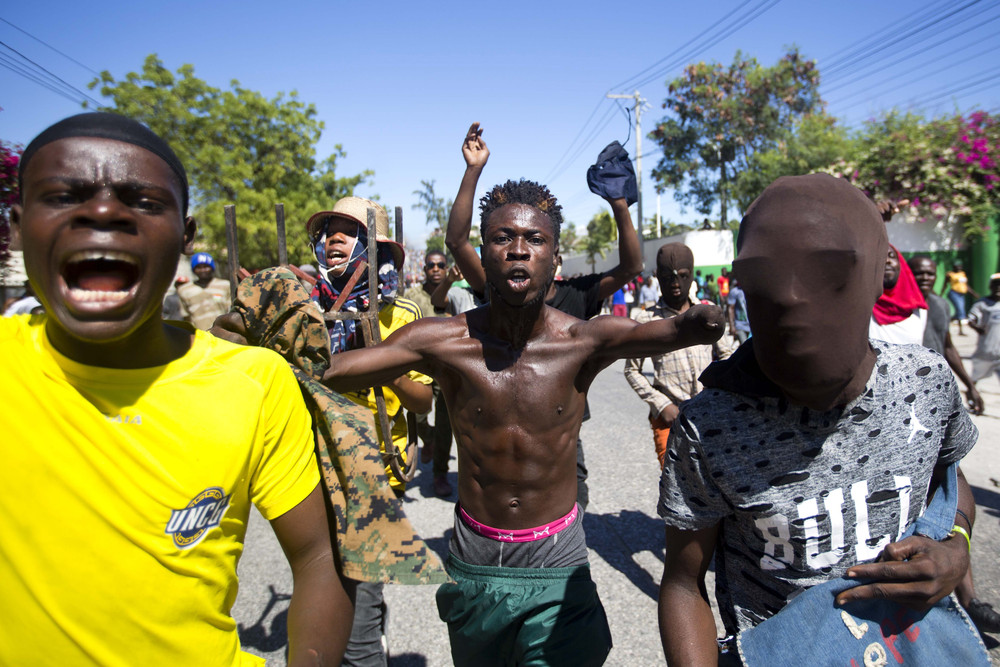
579	297
937	323
800	496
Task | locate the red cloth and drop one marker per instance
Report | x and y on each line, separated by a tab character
898	303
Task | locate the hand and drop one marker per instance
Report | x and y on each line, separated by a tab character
454	274
668	415
703	324
229	326
888	208
975	401
917	572
474	149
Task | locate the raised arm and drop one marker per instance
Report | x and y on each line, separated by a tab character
320	613
687	627
629	255
439	299
381	365
476	154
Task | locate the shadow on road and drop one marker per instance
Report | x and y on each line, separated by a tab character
407	660
618	537
987	498
258	636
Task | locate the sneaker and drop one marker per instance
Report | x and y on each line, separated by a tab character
442	489
983	615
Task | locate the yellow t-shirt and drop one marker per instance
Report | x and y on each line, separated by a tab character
390	318
125	497
957	281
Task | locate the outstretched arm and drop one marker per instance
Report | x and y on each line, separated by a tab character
629	255
918	571
402	351
687	627
476	154
320	613
954	360
622	338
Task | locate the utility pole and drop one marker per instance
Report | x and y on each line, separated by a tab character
639	101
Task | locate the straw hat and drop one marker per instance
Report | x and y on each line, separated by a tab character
356	209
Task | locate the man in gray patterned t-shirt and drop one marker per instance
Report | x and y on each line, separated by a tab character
812	448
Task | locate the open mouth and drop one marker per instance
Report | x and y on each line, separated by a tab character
518	279
100	275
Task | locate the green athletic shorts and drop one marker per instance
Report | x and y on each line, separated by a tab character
523	616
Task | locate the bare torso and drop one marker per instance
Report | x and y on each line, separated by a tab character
516	415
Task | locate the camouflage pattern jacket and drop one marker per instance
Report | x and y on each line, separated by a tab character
375	540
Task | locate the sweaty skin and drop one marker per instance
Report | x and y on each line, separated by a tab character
102	226
515	373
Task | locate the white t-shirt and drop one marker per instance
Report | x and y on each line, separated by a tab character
906	332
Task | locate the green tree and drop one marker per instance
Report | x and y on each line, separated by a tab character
601	233
816	141
569	239
437	210
947	166
720	116
239	147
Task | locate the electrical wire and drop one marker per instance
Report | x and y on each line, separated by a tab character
46	44
20	70
885	44
683	46
884	67
65	83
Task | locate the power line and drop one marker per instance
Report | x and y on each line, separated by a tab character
911	53
923	73
734	24
67	85
606	119
21	70
578	135
44	85
626	83
46	44
883	67
878	35
885	44
937	95
738	24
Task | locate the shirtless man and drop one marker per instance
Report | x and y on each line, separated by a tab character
580	297
515	375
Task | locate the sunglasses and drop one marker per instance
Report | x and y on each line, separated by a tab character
439	265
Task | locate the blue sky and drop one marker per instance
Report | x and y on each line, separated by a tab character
397	84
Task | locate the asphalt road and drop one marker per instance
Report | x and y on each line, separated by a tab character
623	532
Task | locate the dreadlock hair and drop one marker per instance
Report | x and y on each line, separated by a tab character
521	192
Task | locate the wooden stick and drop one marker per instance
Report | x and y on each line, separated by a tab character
233	249
279	216
399	227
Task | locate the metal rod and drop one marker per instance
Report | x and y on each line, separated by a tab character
233	250
279	216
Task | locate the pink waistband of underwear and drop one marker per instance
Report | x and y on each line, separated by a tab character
523	535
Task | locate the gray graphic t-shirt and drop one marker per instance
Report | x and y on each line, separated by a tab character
799	495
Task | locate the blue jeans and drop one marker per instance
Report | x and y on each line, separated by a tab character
958	303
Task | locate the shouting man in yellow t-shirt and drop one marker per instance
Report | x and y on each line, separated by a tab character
127	486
